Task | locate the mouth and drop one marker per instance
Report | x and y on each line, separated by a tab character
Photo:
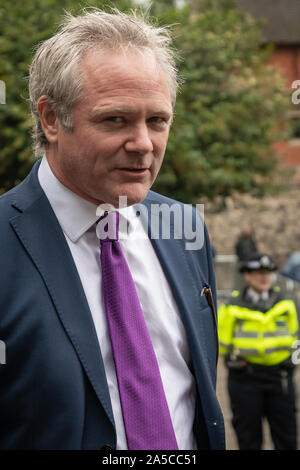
134	171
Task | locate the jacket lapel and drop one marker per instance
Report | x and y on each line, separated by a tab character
186	284
39	232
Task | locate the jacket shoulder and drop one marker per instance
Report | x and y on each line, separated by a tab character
154	197
6	203
24	194
19	198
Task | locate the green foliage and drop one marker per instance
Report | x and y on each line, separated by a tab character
230	107
23	25
226	112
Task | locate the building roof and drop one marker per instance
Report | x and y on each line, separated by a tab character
283	19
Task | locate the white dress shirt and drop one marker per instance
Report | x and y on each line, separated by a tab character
255	296
77	218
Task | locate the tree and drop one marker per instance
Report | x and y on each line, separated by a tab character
23	25
225	116
230	107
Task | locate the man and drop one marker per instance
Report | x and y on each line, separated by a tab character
257	330
291	268
109	343
245	245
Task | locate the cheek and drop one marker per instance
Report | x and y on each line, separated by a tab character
155	167
256	282
83	151
71	146
159	148
164	141
77	161
103	148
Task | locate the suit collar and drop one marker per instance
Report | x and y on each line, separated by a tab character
187	279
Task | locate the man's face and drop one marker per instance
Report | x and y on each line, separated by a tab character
121	128
260	280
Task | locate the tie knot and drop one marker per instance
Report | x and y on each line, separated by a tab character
108	227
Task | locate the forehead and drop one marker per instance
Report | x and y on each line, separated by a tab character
129	73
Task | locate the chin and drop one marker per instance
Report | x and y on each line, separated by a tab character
134	198
265	288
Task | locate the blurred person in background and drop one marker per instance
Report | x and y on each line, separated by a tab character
256	331
291	268
245	245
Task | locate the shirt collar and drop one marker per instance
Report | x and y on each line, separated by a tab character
75	214
255	296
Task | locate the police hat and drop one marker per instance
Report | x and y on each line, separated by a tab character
256	262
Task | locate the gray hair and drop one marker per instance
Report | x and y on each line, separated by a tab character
55	69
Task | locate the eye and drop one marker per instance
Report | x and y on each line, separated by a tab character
116	119
157	120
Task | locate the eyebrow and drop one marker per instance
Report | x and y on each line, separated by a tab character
107	110
115	110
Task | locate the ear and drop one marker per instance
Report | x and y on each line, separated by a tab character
49	119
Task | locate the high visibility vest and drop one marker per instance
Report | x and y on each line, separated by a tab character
260	338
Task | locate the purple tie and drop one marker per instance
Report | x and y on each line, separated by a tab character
145	410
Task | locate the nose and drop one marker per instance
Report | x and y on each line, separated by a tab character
139	140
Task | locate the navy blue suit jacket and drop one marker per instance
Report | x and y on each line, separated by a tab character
53	388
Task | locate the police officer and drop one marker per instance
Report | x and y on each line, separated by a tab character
256	332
